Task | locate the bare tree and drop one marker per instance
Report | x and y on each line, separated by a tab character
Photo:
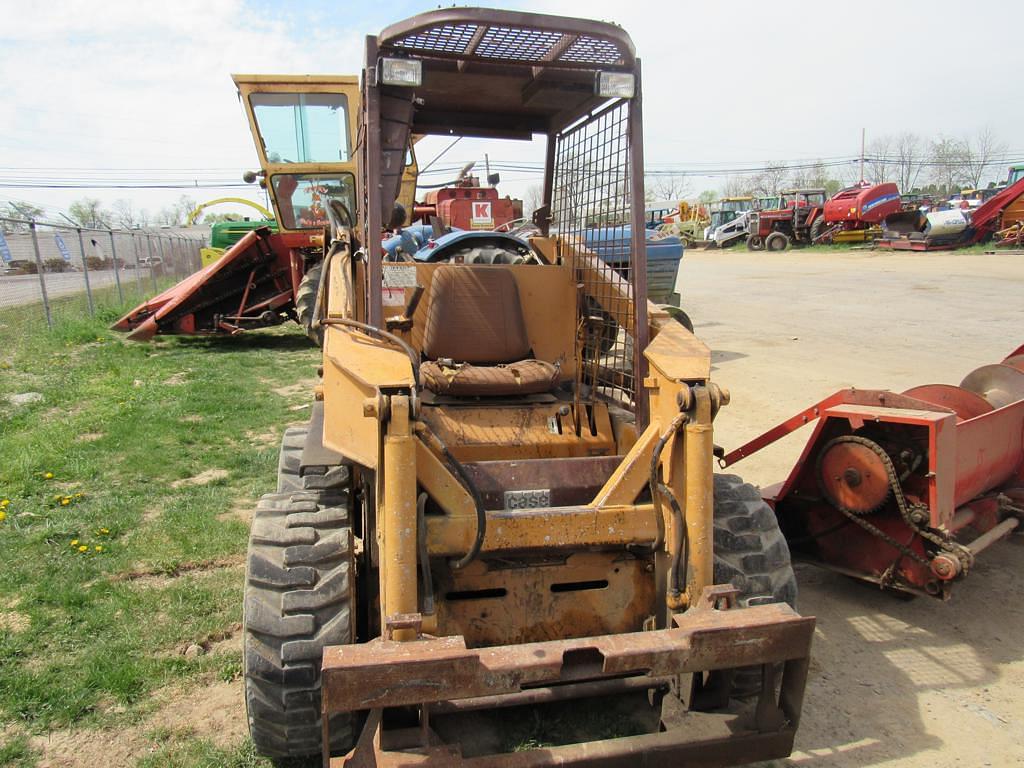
668	186
770	180
533	199
177	213
895	158
125	215
980	151
909	160
946	157
816	176
878	159
737	186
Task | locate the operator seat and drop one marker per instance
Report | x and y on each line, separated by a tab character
475	339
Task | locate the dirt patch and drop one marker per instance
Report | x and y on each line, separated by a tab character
223	641
89	437
14	622
215	712
155	577
152	514
192	418
263	439
243	510
205	477
292	390
176	379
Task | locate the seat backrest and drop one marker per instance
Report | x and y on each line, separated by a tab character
474	316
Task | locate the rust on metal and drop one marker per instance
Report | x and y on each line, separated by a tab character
445	677
950	454
388	674
853	477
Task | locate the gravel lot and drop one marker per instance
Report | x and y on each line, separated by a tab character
893	682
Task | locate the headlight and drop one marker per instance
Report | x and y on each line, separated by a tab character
616	85
405	72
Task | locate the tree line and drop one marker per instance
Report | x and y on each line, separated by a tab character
941	165
90	213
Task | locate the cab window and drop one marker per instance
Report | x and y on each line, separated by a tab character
302	198
302	127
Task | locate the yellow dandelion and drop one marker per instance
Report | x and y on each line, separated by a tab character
4	502
65	501
104	531
98	548
83	548
74	542
79	495
3	515
48	475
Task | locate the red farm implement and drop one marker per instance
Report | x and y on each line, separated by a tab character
889	485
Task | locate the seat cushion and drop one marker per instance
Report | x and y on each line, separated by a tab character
474	316
527	377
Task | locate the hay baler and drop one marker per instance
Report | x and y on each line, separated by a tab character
504	505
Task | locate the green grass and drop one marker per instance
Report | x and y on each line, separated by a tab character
83	644
199	753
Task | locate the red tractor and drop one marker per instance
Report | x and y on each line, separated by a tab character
777	229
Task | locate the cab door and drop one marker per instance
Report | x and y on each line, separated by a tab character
304	128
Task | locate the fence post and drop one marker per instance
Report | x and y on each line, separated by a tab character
117	272
164	258
42	277
85	273
152	254
138	268
183	250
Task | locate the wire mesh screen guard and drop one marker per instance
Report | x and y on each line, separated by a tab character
591	212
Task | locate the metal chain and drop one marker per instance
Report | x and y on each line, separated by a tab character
906	512
876	531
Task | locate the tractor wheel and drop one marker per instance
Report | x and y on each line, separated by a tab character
298	599
817	228
755	243
678	315
290	459
776	241
305	303
752	555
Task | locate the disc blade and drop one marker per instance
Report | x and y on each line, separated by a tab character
999	384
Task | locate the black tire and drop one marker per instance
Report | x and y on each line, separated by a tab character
289	461
678	315
776	241
816	229
305	303
751	554
298	599
755	243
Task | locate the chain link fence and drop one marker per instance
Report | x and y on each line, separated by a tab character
59	270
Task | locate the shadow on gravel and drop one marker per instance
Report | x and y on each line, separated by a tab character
887	673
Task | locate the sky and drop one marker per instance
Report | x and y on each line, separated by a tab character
130	90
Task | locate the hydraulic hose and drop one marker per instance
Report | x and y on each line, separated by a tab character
659	491
421	543
373	330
